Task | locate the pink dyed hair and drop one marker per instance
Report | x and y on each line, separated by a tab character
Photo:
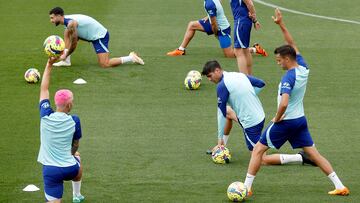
63	97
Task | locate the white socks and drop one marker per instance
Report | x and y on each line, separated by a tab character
225	138
67	60
249	181
126	59
288	158
335	179
181	48
76	187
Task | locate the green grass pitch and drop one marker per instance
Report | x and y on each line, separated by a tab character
144	136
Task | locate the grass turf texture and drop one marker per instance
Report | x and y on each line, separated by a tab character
144	136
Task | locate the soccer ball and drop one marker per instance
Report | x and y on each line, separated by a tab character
54	46
237	192
221	155
193	80
32	75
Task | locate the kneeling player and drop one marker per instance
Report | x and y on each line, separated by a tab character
215	23
59	140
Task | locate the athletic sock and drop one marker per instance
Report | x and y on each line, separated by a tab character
126	59
336	181
288	158
67	60
249	181
252	50
76	187
225	138
181	48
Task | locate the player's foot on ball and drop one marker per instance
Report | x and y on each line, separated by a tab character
62	63
136	58
343	192
260	50
176	52
78	199
306	159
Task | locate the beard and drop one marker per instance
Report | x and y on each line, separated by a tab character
57	23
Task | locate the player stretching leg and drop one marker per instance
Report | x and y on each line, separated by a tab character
289	123
240	91
88	29
214	23
59	137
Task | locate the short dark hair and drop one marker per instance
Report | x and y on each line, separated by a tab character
57	11
286	50
210	67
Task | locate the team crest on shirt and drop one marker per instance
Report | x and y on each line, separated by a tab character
286	85
45	105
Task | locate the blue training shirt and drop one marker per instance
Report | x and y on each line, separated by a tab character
239	10
214	8
57	132
240	92
294	83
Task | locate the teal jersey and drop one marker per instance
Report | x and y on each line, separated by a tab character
57	132
88	28
239	91
214	8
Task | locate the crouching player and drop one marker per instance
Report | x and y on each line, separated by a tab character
59	136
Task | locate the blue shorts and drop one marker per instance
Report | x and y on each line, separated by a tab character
224	36
242	30
101	45
54	178
252	134
294	130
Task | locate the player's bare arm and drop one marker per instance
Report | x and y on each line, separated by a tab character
73	36
287	36
74	146
281	108
45	83
252	13
214	25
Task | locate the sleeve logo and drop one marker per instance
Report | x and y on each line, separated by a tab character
45	105
286	85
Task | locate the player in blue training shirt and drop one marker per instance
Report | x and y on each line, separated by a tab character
215	23
289	123
86	28
239	91
244	17
59	140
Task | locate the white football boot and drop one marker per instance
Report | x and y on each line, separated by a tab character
136	58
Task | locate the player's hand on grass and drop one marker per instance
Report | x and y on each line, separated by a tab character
278	17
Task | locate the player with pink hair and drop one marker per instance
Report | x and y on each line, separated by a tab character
59	137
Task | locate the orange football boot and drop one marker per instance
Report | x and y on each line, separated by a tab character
260	50
176	52
343	192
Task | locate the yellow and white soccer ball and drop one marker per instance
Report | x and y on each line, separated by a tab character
221	155
237	192
32	75
54	46
193	80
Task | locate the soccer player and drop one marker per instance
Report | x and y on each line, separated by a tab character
289	123
244	16
215	23
59	137
240	92
86	28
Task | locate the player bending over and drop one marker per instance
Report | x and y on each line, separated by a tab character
215	23
86	28
289	123
240	92
59	137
